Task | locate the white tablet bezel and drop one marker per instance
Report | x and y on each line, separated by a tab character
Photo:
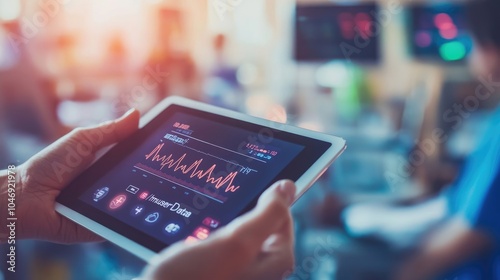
305	181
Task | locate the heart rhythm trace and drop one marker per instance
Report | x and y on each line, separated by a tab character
193	170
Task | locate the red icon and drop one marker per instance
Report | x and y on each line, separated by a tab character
212	223
201	233
190	240
143	195
117	201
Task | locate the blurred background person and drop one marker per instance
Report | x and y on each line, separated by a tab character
457	234
466	244
222	87
25	120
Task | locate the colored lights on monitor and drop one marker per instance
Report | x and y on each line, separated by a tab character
439	32
350	23
423	39
447	29
446	26
453	51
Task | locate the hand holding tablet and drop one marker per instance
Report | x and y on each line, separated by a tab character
46	174
257	245
191	169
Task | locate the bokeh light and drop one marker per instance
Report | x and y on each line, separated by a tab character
423	39
453	51
10	10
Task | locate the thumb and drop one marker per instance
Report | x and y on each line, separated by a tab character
270	216
70	155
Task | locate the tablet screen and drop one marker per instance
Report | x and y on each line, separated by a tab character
180	182
186	174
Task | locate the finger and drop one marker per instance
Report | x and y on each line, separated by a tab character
110	132
272	215
69	156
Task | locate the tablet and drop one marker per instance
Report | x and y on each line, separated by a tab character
190	169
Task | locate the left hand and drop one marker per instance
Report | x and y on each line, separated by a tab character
41	179
257	245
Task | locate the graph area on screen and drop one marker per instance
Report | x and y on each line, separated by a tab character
211	169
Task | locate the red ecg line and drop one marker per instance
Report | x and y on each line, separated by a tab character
177	165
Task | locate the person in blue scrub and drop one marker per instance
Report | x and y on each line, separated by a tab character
468	245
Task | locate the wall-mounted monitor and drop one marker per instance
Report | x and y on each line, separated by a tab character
438	31
334	31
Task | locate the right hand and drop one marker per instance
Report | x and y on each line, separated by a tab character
257	245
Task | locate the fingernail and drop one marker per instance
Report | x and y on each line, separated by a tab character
287	190
130	111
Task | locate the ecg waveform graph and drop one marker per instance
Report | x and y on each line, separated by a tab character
193	170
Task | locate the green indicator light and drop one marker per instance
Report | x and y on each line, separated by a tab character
452	51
